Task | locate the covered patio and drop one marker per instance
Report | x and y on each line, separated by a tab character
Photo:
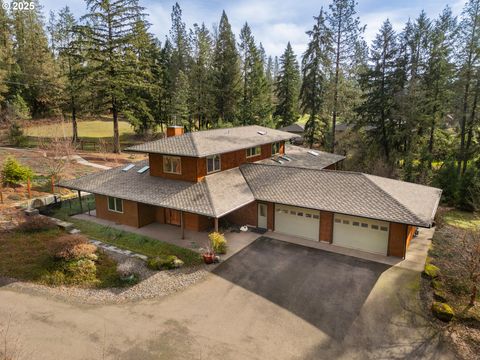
193	240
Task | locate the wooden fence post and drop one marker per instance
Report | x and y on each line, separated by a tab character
29	188
53	185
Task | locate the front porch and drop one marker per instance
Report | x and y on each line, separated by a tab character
193	240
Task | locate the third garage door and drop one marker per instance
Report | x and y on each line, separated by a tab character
297	221
360	233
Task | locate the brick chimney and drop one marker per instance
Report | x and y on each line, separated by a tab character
174	130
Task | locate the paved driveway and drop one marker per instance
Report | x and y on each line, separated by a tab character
272	300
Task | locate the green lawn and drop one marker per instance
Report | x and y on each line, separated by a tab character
462	219
86	129
123	239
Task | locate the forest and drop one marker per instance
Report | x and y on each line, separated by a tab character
410	99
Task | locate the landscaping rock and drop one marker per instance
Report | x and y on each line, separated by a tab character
74	231
431	271
31	212
439	295
442	311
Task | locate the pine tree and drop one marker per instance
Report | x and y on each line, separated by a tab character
315	70
379	88
226	73
36	73
345	26
287	88
6	55
469	61
201	92
108	33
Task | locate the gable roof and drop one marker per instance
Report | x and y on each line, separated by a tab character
344	192
211	142
213	196
301	157
294	128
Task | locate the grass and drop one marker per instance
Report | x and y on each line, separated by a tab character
27	257
462	219
123	239
86	129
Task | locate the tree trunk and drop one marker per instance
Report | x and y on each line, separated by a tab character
116	136
473	295
470	127
335	92
74	122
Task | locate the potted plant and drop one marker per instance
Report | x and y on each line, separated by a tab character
208	255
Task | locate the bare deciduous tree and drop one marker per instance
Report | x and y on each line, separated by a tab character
57	155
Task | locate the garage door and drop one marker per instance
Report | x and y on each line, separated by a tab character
297	221
360	233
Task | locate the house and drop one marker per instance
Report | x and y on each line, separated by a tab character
252	176
297	129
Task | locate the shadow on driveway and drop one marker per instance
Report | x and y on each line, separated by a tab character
325	289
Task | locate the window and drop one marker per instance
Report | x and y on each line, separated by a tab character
356	223
300	214
308	215
375	227
275	148
364	225
293	212
338	221
213	163
254	151
316	216
346	222
172	164
383	228
115	204
285	211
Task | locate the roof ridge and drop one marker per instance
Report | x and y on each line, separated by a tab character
308	169
391	197
209	196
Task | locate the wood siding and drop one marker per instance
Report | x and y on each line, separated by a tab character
397	240
195	169
246	215
128	217
326	226
189	168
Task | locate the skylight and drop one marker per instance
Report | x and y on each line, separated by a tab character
285	157
314	153
262	132
128	167
143	169
277	160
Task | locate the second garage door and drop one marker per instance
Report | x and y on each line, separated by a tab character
360	233
297	221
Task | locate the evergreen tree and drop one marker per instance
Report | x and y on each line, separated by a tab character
36	74
287	88
379	88
6	55
201	97
315	70
109	32
255	97
345	26
226	73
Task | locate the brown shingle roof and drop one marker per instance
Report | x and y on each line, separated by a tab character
216	141
211	197
301	157
344	192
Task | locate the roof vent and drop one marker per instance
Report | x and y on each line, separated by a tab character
314	153
128	167
262	132
143	169
277	160
285	157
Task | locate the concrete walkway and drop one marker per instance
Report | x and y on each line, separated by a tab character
194	240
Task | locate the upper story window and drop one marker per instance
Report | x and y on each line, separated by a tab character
254	151
172	164
276	148
213	163
115	204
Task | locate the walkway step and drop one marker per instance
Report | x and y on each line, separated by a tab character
117	250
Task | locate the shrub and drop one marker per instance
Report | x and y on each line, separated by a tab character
431	271
218	243
164	262
71	247
81	271
20	107
469	190
15	135
36	223
14	173
442	311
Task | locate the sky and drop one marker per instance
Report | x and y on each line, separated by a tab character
273	22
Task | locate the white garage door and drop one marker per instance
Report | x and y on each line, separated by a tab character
360	233
297	221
